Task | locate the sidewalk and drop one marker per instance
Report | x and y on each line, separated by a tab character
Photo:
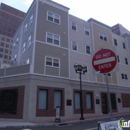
19	124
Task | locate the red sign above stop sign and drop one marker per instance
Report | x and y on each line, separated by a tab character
104	60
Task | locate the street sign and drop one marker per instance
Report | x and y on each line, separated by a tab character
104	61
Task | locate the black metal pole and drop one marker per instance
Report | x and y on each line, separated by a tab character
81	103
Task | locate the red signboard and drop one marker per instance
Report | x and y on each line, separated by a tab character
104	60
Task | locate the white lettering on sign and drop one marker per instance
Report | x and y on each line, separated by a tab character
104	66
107	54
98	56
110	59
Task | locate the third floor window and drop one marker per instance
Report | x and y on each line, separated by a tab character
55	18
103	36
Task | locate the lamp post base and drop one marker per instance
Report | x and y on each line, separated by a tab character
82	118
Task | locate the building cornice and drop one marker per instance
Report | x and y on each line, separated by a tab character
56	5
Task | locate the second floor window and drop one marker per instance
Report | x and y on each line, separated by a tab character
55	18
103	36
29	40
52	38
52	62
23	49
118	58
86	30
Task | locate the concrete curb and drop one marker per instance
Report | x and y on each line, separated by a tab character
61	123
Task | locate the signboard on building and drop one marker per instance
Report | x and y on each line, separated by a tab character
104	60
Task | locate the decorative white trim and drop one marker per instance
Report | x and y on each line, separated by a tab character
55	5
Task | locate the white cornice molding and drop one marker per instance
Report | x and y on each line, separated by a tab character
56	5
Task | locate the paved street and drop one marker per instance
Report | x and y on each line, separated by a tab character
86	125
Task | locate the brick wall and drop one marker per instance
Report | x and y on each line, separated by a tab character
50	111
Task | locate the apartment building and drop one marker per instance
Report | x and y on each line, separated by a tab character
42	76
10	20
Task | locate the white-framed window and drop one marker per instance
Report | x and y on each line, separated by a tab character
29	40
73	25
103	36
124	76
42	99
88	49
57	99
123	44
53	38
118	58
55	18
17	40
28	61
74	46
115	42
53	62
15	57
86	30
126	61
24	47
31	19
25	27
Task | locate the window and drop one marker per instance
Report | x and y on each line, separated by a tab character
109	74
57	99
55	18
52	38
124	45
124	76
126	61
28	61
31	19
25	27
115	42
118	58
88	49
2	44
103	36
52	62
89	105
24	44
77	100
7	40
3	39
42	99
14	45
1	55
1	49
74	46
7	45
5	57
86	30
73	26
17	40
6	51
29	40
15	57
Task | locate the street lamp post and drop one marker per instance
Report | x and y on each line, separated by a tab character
81	69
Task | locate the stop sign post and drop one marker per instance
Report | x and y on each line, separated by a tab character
104	61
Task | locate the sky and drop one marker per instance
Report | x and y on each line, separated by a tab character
109	12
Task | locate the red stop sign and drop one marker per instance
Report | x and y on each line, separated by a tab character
104	60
